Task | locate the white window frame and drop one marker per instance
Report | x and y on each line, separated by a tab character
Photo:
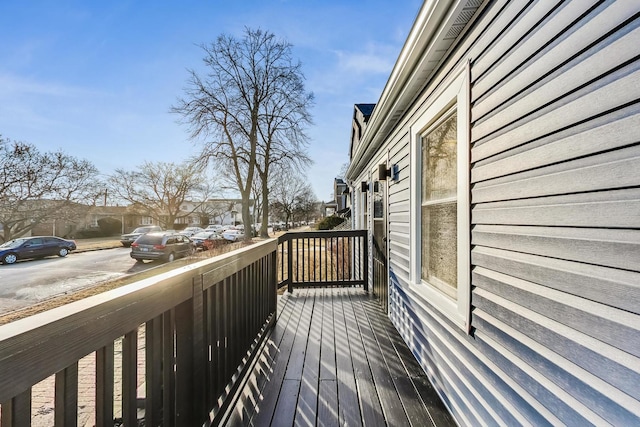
364	203
454	92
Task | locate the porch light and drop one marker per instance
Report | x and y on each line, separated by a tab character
383	172
395	172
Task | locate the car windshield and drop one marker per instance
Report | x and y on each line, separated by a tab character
202	235
147	239
142	230
13	243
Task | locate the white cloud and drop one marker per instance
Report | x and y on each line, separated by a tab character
374	60
11	85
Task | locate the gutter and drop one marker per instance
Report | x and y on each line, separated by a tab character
419	58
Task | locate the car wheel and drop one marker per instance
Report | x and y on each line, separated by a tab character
63	252
171	257
139	260
126	245
9	258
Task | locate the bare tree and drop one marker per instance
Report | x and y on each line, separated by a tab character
290	192
283	141
258	200
306	205
36	187
160	190
248	82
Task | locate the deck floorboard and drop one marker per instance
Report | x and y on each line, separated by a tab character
334	358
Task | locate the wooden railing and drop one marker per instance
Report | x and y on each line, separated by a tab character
194	331
323	258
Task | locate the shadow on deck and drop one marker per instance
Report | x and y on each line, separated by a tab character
200	345
334	358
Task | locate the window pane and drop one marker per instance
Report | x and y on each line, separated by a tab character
439	161
378	199
439	244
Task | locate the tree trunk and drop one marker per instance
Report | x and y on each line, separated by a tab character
246	214
264	232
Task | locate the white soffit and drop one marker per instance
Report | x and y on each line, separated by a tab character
438	24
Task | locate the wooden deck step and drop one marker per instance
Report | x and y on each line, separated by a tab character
334	358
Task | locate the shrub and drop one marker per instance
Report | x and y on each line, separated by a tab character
109	226
329	223
86	234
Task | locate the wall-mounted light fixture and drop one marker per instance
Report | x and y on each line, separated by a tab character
364	186
383	172
395	172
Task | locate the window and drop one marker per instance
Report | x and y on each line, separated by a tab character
440	201
365	209
439	205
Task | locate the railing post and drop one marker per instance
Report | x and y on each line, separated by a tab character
290	264
365	257
17	411
272	286
129	378
199	352
105	368
184	364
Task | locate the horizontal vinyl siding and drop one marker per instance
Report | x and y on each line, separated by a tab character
398	232
555	228
616	248
431	339
556	207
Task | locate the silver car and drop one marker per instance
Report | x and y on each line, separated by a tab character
128	239
161	245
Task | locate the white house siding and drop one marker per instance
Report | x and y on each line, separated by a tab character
555	220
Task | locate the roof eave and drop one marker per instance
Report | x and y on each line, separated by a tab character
417	62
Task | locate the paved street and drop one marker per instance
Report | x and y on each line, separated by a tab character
29	282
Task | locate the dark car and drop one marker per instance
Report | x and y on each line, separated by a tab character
206	240
35	247
128	239
161	245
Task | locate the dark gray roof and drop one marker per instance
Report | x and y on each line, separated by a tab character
366	109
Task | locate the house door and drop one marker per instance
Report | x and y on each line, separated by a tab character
380	273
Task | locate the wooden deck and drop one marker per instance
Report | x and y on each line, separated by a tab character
335	359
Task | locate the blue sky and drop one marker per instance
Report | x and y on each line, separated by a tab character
96	79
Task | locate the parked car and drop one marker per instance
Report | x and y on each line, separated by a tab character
206	240
190	231
35	247
217	228
161	245
233	235
128	239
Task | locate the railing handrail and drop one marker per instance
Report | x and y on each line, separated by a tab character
34	348
317	265
289	235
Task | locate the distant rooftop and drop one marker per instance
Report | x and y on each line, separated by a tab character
366	109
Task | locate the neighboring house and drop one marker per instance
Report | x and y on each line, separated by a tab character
215	211
499	176
88	220
342	201
341	194
68	220
120	213
361	115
